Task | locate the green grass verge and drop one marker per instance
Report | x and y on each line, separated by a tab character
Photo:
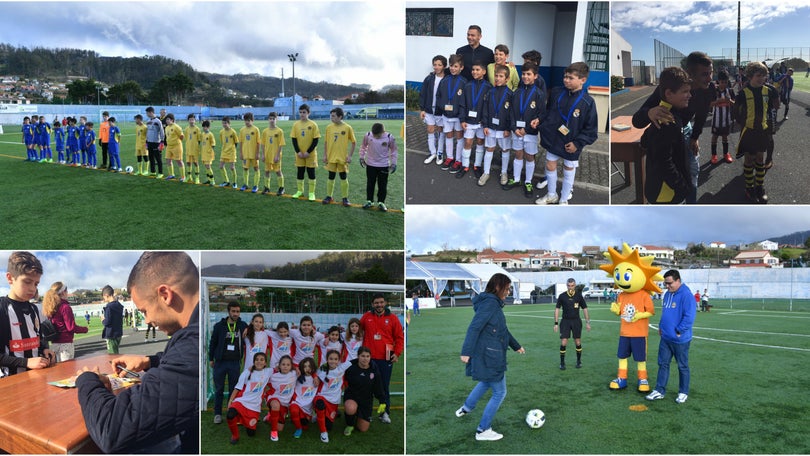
58	207
748	388
380	438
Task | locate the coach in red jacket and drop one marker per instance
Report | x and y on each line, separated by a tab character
383	335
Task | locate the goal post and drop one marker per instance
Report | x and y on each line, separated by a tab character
121	114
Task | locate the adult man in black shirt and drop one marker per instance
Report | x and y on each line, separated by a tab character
225	355
570	302
474	52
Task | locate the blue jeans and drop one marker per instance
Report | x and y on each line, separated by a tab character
666	351
385	368
498	395
221	370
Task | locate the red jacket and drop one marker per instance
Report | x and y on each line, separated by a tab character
65	324
382	334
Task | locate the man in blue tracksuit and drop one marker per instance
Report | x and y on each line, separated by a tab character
675	328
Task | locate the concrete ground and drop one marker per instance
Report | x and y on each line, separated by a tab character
132	343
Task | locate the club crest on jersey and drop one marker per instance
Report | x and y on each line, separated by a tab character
334	383
459	92
576	112
286	390
283	347
533	105
342	133
308	391
506	105
576	305
255	387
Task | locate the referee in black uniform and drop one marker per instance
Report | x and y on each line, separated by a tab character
571	301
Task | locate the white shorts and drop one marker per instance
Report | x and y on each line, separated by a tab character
528	143
433	119
451	124
495	137
567	163
474	131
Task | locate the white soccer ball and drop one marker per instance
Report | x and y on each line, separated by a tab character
535	418
629	312
129	169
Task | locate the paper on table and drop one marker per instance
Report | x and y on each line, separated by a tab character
116	382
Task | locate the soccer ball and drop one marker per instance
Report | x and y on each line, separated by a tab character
535	418
129	169
629	313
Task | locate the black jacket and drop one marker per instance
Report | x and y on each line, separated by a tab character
667	169
216	347
154	413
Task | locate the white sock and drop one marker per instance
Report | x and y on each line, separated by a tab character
568	183
448	146
479	155
504	161
432	143
459	149
529	170
517	167
551	178
465	158
488	161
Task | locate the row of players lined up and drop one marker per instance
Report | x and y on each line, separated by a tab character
510	115
378	152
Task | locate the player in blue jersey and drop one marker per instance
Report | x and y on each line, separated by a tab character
90	144
73	148
82	128
44	130
28	138
59	136
114	146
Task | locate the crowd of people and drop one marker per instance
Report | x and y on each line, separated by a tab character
193	151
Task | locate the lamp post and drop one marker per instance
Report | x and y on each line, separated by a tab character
293	58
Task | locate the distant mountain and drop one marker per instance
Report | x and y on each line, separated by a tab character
230	270
796	238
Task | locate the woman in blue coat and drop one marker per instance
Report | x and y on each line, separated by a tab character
484	353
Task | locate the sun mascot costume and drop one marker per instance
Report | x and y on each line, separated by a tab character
636	278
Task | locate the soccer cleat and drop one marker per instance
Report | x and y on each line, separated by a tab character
274	436
461	172
461	412
348	431
456	167
254	189
727	158
715	160
297	433
327	200
543	183
483	180
367	205
489	434
430	158
548	198
384	418
311	197
562	366
233	186
324	437
510	184
346	202
182	180
197	180
762	197
243	188
528	190
382	207
618	384
280	191
447	164
297	194
504	179
769	164
159	176
739	154
265	191
478	171
170	177
643	386
682	397
217	419
225	184
750	193
579	365
654	396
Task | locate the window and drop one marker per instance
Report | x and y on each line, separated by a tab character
429	22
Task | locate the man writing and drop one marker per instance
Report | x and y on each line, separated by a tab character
161	413
384	336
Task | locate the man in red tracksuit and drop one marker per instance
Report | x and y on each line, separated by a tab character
384	336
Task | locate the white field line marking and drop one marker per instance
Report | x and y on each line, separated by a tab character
763	313
751	332
710	339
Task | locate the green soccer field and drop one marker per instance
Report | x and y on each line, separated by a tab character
380	438
51	206
748	390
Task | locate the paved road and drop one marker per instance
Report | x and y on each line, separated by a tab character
428	184
786	182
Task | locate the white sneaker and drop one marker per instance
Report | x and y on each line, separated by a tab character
384	418
217	419
483	180
324	437
489	434
461	412
548	198
681	398
504	179
430	158
542	184
654	396
439	159
563	203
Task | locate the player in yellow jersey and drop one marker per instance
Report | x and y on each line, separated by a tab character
271	145
193	139
304	137
141	153
207	145
174	147
249	136
229	139
338	155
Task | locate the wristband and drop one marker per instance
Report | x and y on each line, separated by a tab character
556	323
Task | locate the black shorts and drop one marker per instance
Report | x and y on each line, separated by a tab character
364	407
753	141
721	131
570	325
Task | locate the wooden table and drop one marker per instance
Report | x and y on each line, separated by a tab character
625	148
38	418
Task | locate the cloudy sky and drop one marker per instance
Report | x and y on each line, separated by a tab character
429	228
710	27
272	258
344	42
82	269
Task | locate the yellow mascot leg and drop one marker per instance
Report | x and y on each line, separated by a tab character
643	383
621	381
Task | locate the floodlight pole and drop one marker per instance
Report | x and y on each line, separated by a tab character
293	58
738	34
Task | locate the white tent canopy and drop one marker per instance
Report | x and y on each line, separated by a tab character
437	275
